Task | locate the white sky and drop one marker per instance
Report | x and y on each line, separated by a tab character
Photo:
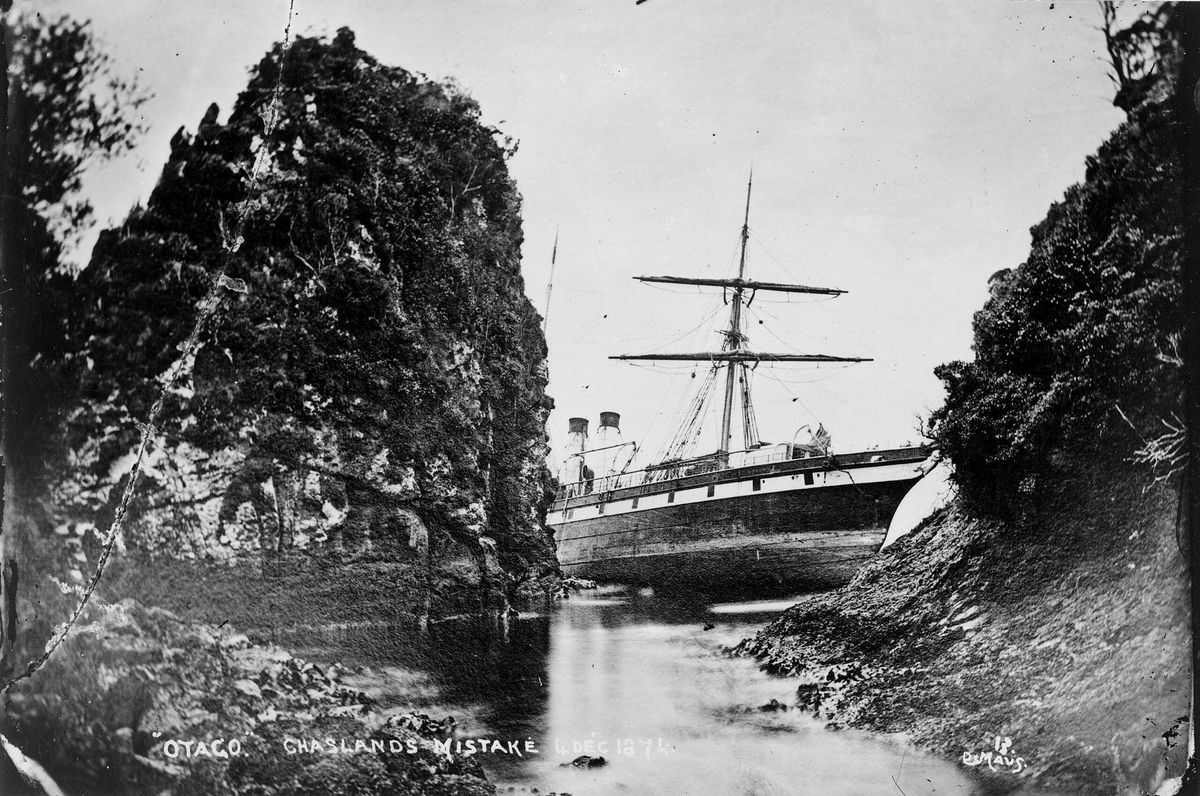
901	151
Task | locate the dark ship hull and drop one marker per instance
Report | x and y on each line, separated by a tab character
786	526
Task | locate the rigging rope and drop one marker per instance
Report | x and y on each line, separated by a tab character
749	419
795	397
688	432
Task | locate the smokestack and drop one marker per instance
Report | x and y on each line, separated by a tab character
608	436
577	434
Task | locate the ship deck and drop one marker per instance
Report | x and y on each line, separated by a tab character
627	486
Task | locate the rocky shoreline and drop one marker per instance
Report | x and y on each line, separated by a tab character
1059	638
139	701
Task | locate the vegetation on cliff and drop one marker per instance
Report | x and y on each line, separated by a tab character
65	108
1047	606
1088	327
375	388
68	109
358	433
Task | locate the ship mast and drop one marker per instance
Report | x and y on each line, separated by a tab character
737	359
550	283
733	342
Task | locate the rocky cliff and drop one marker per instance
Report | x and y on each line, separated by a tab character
1065	631
323	297
364	411
1038	628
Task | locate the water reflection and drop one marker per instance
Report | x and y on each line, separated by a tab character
644	682
490	677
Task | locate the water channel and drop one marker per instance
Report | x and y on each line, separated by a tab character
641	680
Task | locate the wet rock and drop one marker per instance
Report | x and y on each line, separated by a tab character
124	722
774	706
420	723
817	698
567	585
585	761
248	687
889	652
236	641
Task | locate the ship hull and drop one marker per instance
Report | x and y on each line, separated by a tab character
790	536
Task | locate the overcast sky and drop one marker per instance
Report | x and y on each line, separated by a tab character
901	151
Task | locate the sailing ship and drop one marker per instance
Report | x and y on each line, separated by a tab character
766	517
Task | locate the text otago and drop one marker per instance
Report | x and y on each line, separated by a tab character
213	748
458	746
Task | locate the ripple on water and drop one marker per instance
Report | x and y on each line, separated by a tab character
644	681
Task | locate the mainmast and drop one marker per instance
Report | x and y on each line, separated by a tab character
733	340
737	359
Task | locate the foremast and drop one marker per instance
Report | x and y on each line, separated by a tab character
738	360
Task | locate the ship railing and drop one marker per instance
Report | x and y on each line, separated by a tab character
607	483
667	471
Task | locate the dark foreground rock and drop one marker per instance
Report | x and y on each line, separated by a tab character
142	702
1063	633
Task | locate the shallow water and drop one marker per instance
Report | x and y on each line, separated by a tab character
642	681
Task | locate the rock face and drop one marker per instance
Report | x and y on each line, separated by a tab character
1065	630
373	390
165	706
1042	618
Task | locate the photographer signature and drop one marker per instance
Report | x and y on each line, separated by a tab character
998	758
